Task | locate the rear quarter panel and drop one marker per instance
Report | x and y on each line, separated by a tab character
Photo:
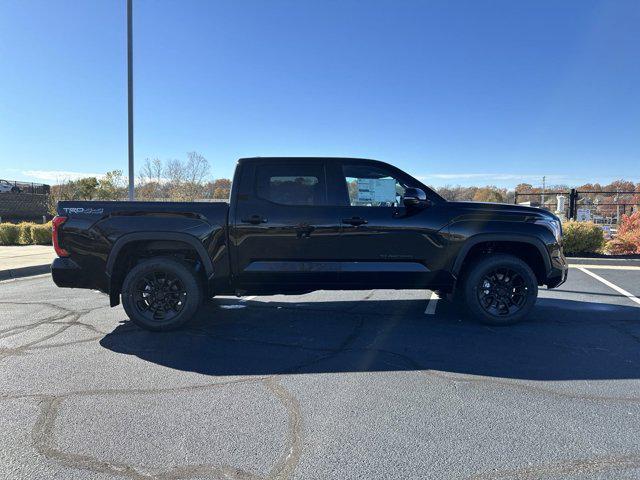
93	228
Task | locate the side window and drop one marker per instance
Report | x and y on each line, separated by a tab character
370	186
291	184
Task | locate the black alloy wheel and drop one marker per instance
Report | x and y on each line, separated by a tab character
498	289
162	293
160	296
502	291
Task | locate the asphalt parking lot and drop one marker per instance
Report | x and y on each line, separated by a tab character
344	385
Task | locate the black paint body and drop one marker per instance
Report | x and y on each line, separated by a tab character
253	245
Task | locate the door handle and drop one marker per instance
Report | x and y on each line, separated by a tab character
254	219
304	230
354	221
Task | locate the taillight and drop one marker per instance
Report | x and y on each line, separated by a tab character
56	223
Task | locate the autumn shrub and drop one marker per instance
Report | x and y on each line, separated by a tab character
9	234
629	223
582	237
41	234
627	240
24	235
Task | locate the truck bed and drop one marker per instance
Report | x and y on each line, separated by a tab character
97	232
213	212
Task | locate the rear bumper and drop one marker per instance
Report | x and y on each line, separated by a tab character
66	273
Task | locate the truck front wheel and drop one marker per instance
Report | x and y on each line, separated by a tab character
499	289
161	293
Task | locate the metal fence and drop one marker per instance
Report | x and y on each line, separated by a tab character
28	187
601	207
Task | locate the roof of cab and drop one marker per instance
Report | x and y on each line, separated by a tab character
307	158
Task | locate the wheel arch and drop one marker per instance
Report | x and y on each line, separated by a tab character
151	241
527	248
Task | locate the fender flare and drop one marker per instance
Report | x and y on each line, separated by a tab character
153	236
501	237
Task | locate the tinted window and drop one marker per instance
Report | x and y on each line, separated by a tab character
291	184
371	186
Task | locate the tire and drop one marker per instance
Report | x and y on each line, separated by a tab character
161	294
15	190
499	289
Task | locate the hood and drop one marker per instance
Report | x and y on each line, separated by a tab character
502	209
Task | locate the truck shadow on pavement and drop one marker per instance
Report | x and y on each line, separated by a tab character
562	340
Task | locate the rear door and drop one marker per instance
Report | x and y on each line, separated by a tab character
284	234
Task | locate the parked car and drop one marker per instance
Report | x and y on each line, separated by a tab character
7	187
295	225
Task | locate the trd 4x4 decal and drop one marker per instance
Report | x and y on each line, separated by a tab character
86	211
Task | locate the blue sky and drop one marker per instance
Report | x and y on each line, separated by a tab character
455	92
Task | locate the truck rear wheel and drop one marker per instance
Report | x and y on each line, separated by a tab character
499	289
161	294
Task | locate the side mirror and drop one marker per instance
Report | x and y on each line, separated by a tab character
415	198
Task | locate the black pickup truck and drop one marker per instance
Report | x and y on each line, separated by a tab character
295	225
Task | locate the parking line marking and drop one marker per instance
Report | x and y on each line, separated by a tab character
433	303
631	297
606	267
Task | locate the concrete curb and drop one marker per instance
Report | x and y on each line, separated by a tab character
603	261
24	271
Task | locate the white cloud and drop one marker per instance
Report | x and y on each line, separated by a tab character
55	176
504	179
495	176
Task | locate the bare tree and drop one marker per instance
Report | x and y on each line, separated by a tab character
175	171
177	180
196	169
175	174
150	180
152	171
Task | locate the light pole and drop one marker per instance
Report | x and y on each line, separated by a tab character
130	96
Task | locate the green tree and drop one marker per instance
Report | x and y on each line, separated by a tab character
111	186
86	187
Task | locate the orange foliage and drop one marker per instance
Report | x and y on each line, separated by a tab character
628	239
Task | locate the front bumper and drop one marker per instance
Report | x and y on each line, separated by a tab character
559	268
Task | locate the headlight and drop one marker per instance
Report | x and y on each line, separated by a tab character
554	225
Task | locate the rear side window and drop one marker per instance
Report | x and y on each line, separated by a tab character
291	184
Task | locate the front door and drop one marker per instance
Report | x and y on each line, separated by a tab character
383	243
283	232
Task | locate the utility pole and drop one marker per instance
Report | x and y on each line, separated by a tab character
544	186
130	95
